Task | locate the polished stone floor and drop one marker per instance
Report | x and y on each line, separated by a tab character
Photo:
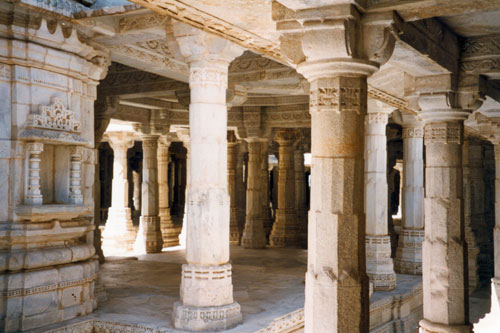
268	284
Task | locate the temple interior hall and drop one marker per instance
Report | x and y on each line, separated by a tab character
264	166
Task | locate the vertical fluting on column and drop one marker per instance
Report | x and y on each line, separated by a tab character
285	231
254	236
444	249
266	209
300	194
206	289
409	252
232	161
149	238
379	265
75	175
168	229
33	193
119	232
470	238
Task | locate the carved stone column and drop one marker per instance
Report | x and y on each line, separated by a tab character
232	160
379	265
241	173
119	232
168	230
444	266
336	55
285	229
300	194
266	209
254	236
469	193
149	238
33	194
409	252
206	289
136	178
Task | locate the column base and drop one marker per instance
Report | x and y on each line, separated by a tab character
285	230
409	252
234	238
254	236
192	318
379	265
430	327
119	233
169	231
149	238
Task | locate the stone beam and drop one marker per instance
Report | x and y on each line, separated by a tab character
481	55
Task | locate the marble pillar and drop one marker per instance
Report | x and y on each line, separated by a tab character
285	231
149	238
254	235
206	287
336	60
119	232
267	221
444	266
300	194
169	231
379	264
409	251
232	160
469	191
137	181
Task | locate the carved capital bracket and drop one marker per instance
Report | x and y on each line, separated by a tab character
333	40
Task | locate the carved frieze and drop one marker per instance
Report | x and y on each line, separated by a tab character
413	132
208	76
143	22
55	117
443	133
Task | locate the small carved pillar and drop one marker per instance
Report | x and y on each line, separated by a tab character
149	238
33	194
409	252
232	160
300	194
285	229
75	175
206	289
168	229
119	233
379	265
469	192
444	266
136	179
254	235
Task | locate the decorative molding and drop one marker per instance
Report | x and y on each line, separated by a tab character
442	133
481	46
377	118
55	117
143	22
413	132
204	21
208	76
389	99
42	289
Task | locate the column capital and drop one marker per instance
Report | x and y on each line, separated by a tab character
287	136
125	140
333	40
200	47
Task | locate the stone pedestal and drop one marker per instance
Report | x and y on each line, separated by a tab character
232	160
254	235
379	265
119	232
285	229
149	238
206	288
409	252
169	230
444	249
300	194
